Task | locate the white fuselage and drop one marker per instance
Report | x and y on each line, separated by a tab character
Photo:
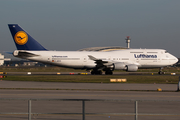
143	58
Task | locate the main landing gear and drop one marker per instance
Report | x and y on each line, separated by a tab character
99	72
96	72
108	72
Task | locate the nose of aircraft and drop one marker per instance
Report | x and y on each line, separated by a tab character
176	60
173	59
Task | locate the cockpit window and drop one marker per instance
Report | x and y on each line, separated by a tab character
166	51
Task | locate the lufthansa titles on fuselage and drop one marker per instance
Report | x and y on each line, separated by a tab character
145	56
55	56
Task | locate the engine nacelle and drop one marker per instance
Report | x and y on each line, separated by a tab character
132	68
123	66
119	66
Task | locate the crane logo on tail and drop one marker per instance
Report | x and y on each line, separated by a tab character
21	38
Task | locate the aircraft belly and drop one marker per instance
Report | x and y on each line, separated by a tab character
73	64
157	65
77	64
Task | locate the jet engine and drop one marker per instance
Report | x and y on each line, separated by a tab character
123	66
119	66
132	68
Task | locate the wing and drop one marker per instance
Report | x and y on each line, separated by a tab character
100	63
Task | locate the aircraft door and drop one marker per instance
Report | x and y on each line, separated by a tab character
159	56
49	59
84	58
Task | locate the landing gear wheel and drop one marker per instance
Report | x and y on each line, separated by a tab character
109	72
96	72
92	72
99	72
161	72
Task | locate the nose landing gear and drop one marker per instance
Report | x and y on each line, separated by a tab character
161	72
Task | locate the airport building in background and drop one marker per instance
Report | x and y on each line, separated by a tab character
110	48
2	59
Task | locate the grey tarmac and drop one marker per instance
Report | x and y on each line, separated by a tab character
16	89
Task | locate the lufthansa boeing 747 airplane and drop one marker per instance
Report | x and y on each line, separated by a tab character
129	59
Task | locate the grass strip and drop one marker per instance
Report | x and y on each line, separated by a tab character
162	79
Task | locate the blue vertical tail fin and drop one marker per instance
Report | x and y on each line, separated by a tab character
23	40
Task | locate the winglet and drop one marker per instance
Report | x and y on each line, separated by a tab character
23	40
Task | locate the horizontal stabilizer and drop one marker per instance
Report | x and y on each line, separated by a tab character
23	54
